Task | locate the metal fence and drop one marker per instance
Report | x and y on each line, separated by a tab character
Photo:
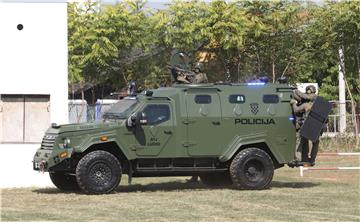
352	120
81	112
333	124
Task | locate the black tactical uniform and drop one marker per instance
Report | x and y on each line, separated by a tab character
306	100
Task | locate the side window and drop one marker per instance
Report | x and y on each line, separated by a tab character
157	113
270	98
203	99
236	99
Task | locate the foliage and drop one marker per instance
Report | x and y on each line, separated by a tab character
299	40
100	40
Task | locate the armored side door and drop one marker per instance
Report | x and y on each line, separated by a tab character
156	138
204	123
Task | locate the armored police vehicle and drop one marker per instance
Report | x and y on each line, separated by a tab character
229	134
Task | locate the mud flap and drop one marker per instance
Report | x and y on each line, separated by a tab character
316	120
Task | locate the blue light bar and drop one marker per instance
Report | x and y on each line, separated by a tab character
255	83
291	118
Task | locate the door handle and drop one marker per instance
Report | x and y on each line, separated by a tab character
216	123
167	131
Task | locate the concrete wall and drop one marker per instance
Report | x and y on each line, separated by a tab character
16	167
34	60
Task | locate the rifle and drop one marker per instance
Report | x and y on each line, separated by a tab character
177	72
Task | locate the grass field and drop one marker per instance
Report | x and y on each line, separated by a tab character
318	196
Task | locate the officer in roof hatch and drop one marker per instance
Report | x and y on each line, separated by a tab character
200	77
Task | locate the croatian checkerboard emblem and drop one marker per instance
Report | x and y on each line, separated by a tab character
254	107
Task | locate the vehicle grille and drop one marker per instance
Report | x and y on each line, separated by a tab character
48	141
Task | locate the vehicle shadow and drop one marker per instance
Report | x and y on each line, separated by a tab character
294	185
178	186
165	186
53	190
151	187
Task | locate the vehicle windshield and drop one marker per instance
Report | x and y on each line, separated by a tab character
121	109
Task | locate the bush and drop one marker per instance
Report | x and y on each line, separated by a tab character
344	143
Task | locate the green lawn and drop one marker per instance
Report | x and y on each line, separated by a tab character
318	196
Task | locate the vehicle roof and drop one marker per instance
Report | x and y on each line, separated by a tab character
230	88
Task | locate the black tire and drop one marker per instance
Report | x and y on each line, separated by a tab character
252	169
64	181
98	172
216	179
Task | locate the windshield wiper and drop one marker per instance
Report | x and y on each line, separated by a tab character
112	116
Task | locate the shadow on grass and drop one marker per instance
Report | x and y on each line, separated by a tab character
167	186
295	185
152	187
54	191
178	186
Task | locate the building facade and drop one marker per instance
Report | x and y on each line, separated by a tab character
33	68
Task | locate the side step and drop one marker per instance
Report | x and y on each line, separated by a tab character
299	164
175	171
176	166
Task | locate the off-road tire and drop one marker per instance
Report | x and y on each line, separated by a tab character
64	181
216	179
98	172
252	169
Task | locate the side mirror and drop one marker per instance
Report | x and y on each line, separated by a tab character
140	119
131	120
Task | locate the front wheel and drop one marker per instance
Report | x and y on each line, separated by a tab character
252	168
98	172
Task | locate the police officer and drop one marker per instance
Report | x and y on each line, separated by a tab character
306	100
309	95
200	77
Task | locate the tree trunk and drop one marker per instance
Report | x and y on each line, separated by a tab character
238	68
82	105
92	95
357	117
273	71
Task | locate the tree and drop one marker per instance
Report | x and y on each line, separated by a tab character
300	40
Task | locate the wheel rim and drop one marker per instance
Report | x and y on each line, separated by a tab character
254	170
100	174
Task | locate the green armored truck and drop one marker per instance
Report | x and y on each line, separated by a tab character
227	134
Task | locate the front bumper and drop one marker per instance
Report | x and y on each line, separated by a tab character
45	159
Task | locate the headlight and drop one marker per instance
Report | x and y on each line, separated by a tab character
66	143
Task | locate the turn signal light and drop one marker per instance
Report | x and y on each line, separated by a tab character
103	138
63	155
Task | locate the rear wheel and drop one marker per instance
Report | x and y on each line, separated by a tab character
252	168
216	179
64	181
98	172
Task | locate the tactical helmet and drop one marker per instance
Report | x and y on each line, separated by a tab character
311	88
199	66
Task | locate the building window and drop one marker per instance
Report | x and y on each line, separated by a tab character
203	99
236	99
270	98
156	113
